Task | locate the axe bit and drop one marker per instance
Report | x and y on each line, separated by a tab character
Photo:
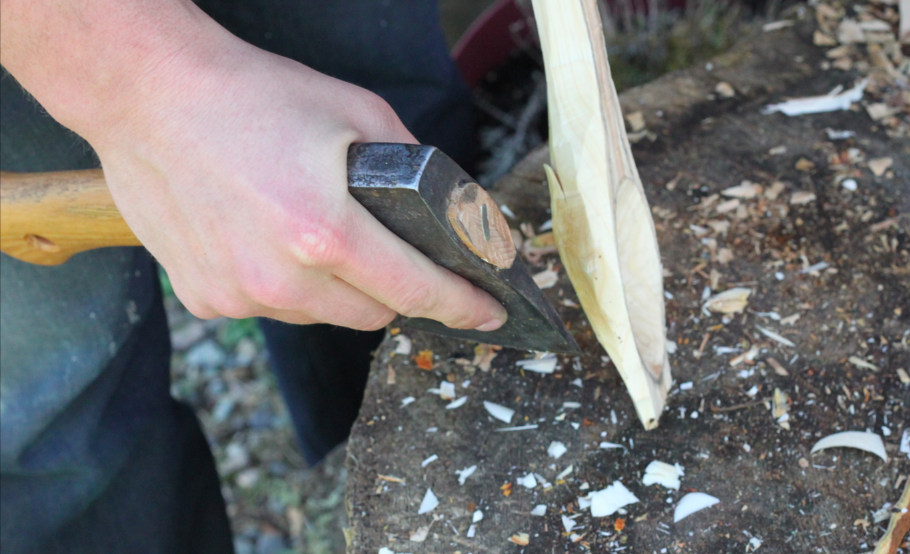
417	192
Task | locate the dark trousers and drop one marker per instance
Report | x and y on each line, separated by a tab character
95	456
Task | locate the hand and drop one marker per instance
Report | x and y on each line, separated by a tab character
233	173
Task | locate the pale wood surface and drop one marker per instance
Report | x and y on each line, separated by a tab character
601	219
47	217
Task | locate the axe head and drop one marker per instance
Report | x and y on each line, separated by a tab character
429	201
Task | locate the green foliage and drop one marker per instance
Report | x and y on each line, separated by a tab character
644	48
166	288
231	332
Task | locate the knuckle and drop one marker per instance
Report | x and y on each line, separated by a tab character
319	244
418	300
378	321
232	306
378	118
265	292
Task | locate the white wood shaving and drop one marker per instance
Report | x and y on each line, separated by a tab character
547	364
819	104
429	460
691	503
606	502
463	474
499	412
546	278
772	335
859	362
519	428
528	481
746	189
730	301
429	503
404	345
540	510
870	442
556	449
447	390
457	403
662	473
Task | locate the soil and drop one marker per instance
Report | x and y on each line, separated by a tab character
774	494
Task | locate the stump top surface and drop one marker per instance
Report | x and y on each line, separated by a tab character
770	488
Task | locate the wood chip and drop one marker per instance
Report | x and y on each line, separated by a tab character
850	31
728	206
778	369
729	301
879	166
546	278
870	442
821	39
839	52
483	356
636	121
772	335
802	197
879	111
804	165
520	539
859	362
772	192
746	189
780	403
725	90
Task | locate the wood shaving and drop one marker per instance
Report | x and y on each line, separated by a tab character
730	301
725	90
778	369
878	166
801	197
520	539
746	189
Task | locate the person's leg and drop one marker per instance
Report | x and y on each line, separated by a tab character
95	456
397	50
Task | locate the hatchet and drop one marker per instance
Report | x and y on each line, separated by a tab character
417	192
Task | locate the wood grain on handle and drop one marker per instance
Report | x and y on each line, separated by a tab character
47	217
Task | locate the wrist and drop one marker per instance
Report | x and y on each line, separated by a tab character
104	64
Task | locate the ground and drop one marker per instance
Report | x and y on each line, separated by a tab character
276	503
828	268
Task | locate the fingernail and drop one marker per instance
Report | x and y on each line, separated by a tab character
491	325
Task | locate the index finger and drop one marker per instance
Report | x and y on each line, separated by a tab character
396	274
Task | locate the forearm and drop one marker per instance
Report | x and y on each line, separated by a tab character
92	63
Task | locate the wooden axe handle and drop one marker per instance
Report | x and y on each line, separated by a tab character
47	217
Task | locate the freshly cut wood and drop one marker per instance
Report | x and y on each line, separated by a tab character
601	218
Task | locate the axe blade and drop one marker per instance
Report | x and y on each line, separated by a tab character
429	201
